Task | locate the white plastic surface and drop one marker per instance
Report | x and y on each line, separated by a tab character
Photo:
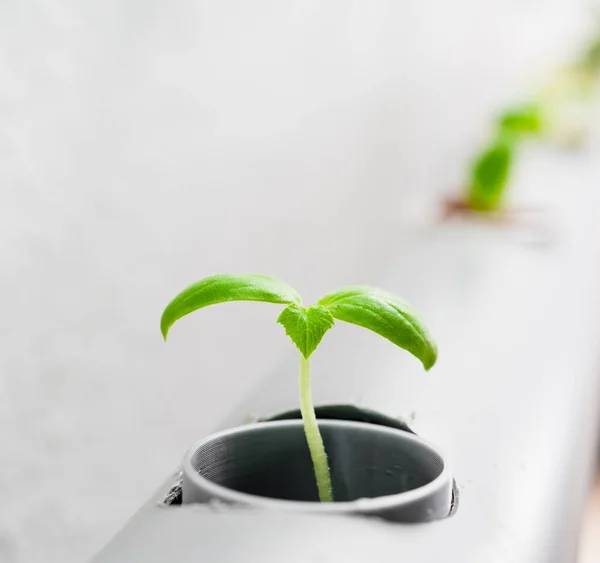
146	144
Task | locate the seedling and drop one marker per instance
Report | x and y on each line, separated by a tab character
490	175
491	169
555	115
376	310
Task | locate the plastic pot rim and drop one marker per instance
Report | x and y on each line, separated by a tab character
363	505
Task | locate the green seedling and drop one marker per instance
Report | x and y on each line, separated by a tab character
370	308
490	171
490	175
556	114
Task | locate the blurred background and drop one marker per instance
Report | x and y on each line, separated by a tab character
146	144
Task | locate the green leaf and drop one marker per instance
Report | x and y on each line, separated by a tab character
223	288
306	327
385	314
490	176
522	120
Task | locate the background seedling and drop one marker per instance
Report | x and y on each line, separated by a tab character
491	169
556	114
490	175
368	307
490	172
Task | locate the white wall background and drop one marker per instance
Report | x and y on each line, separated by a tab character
145	144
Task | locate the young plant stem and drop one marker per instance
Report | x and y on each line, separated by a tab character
313	435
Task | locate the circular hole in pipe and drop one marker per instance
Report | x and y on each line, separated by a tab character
376	470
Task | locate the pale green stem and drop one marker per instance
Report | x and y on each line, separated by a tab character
313	435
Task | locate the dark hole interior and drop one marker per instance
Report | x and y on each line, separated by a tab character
365	462
347	412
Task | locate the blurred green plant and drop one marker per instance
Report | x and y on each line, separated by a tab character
556	115
490	174
591	57
568	95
